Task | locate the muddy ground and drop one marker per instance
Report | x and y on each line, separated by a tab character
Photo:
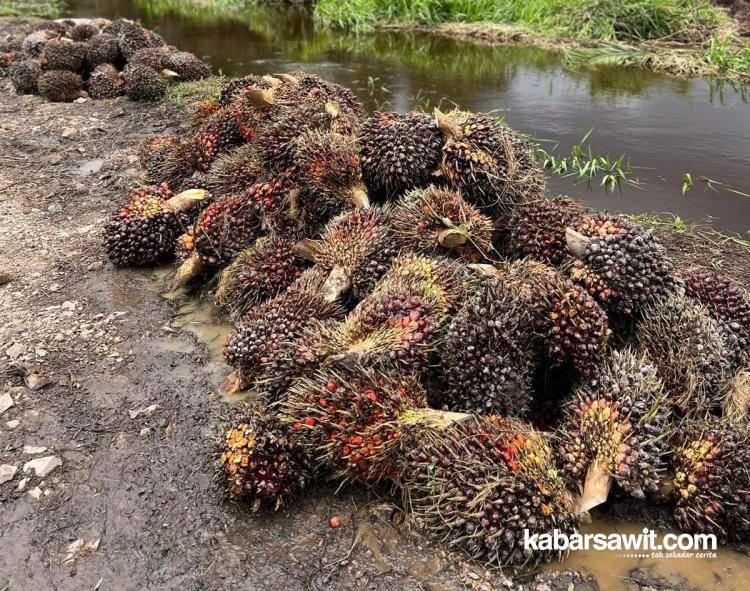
102	377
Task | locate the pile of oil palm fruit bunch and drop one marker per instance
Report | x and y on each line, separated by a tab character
412	309
63	60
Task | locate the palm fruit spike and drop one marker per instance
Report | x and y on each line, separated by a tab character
479	484
277	137
131	37
143	83
188	67
356	249
353	421
301	87
725	300
60	86
493	166
236	88
101	49
177	168
156	58
217	135
399	152
145	229
283	209
83	31
105	82
736	403
235	171
24	74
63	54
438	221
399	324
259	273
711	479
625	256
263	348
537	229
153	154
487	356
223	230
689	349
263	461
617	429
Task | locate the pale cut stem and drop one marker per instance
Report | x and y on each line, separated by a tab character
595	488
234	383
260	98
452	238
446	125
336	284
577	243
359	198
188	270
186	200
485	269
307	249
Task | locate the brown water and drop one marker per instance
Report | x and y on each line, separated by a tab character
666	126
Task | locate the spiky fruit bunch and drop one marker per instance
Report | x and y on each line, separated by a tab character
145	229
283	206
487	355
263	461
177	168
105	82
101	49
400	323
225	228
33	44
399	152
63	54
234	171
711	479
689	349
217	135
234	89
143	83
627	258
7	58
259	273
724	299
436	221
350	420
60	86
303	87
153	154
263	348
356	249
618	427
479	484
155	58
83	31
24	74
537	229
188	67
131	37
493	166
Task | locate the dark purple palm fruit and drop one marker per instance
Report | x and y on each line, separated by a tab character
617	429
187	66
491	165
101	49
356	249
437	221
224	229
259	273
263	348
691	352
487	356
234	171
34	43
145	229
217	135
625	257
537	229
284	210
105	82
83	31
480	485
143	83
156	58
302	87
253	105
63	54
399	152
711	479
263	461
131	37
60	86
153	154
24	75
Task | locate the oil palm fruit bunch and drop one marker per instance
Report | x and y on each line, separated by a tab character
283	208
223	229
144	231
155	58
234	89
487	356
217	135
24	74
263	347
259	273
617	428
303	87
105	82
736	402
400	324
690	350
711	479
187	66
438	221
234	171
83	31
491	165
399	152
724	299
131	37
60	86
263	461
354	422
537	229
177	167
143	83
153	154
478	485
101	49
625	256
63	54
356	249
33	44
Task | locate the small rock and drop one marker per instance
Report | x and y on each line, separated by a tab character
35	493
96	266
80	548
15	350
5	277
82	99
143	411
68	305
145	431
6	402
22	484
13	424
7	472
42	466
33	449
69	132
36	382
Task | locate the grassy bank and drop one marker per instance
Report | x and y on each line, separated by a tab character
40	8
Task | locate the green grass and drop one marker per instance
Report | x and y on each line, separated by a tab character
185	95
40	8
